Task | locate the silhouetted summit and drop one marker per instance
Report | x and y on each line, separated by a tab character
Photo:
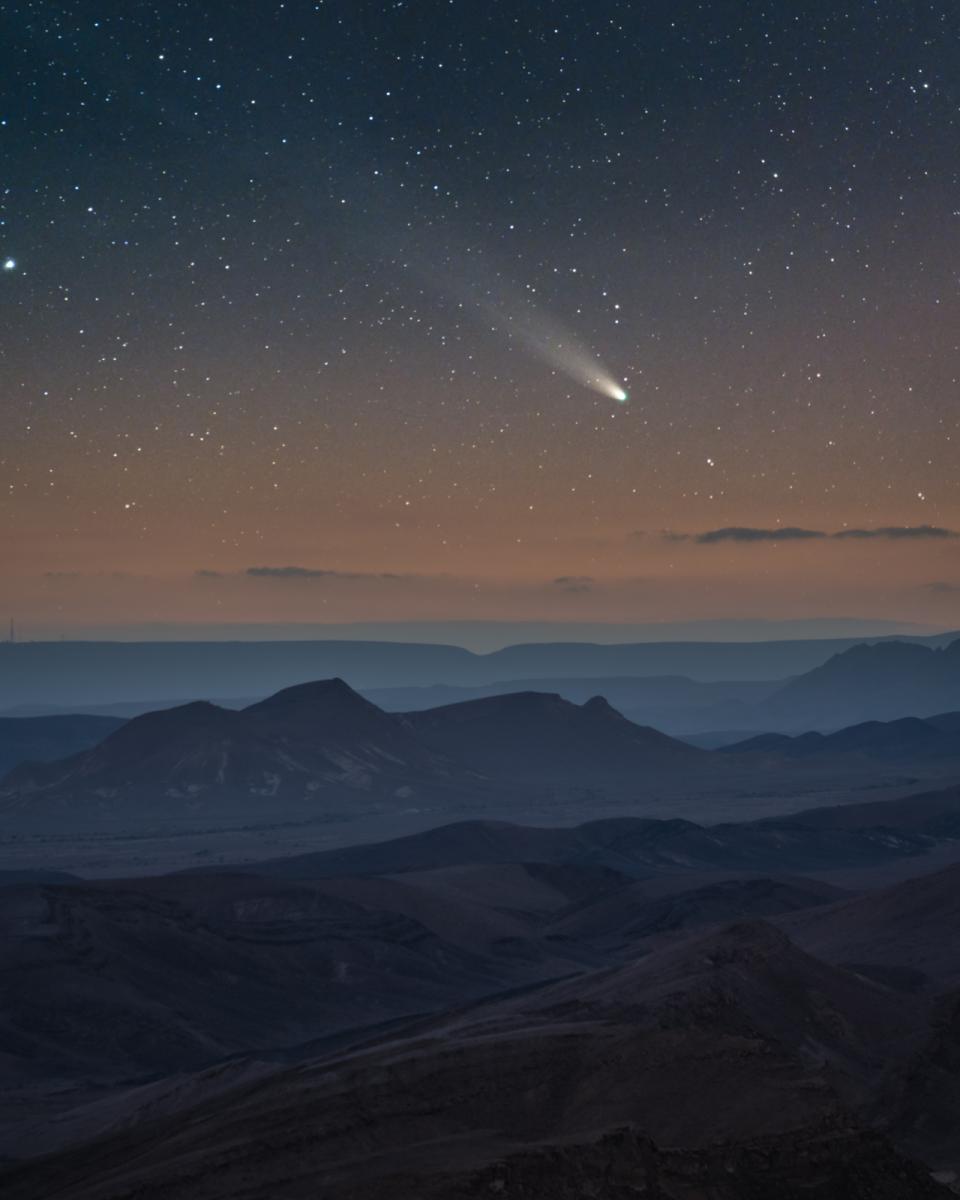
321	698
304	748
882	682
329	715
539	733
319	747
137	744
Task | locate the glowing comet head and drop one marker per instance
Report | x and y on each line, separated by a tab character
605	384
610	387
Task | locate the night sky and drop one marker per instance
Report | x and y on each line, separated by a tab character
319	311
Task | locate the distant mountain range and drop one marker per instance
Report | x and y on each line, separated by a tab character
878	682
42	739
722	687
321	751
317	748
906	739
300	752
881	681
72	674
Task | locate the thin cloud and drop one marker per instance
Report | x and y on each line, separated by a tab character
940	587
299	573
290	573
574	583
742	533
898	533
92	575
748	534
321	573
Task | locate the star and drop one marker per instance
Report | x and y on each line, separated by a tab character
9	264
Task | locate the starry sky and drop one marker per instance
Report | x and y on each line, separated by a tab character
441	311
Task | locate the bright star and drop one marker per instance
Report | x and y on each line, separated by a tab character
9	264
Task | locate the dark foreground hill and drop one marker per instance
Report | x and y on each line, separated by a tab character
629	919
905	934
117	980
112	984
833	1161
491	1009
746	1057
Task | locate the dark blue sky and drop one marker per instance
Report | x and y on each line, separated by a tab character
351	287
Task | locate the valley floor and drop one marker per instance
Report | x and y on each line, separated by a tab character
136	852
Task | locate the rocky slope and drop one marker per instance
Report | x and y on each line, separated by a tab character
735	1038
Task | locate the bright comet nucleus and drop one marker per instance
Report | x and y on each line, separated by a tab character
605	384
610	387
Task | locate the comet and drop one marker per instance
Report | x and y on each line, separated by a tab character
465	274
547	339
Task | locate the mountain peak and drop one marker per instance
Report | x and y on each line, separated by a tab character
878	681
305	695
540	734
296	750
197	717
